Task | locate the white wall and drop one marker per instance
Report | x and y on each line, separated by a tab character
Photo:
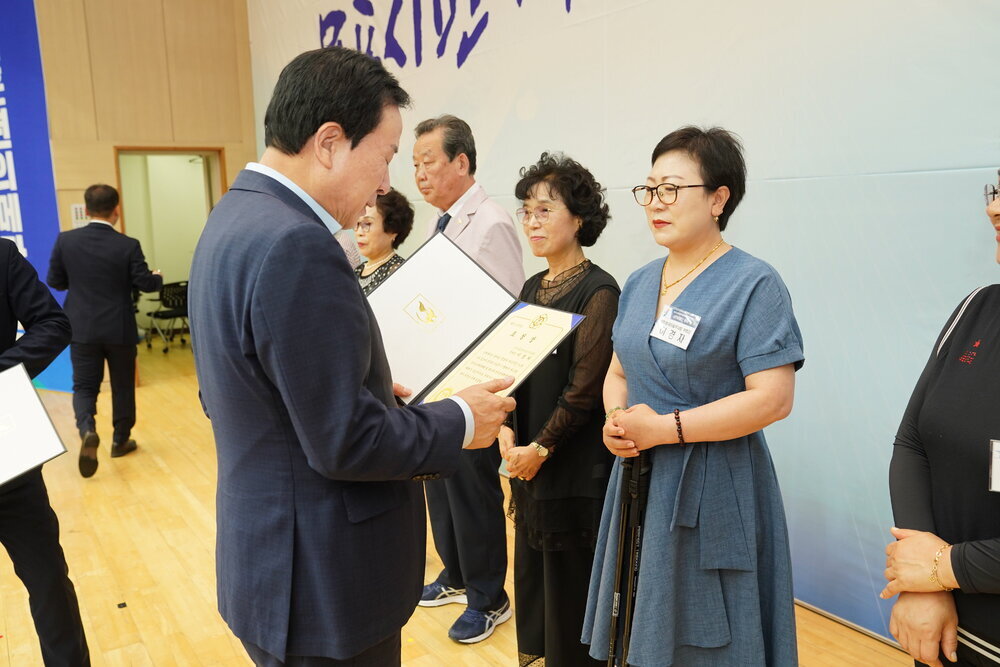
165	204
870	130
179	204
137	219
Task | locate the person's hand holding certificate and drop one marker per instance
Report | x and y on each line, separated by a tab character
515	345
448	325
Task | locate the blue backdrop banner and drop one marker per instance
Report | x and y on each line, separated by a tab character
28	214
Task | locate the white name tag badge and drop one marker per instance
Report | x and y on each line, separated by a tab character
995	466
676	327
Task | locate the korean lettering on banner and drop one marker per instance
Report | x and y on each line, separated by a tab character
359	32
10	206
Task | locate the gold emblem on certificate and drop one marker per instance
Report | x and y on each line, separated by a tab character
423	313
441	394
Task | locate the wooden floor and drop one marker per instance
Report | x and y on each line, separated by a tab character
139	538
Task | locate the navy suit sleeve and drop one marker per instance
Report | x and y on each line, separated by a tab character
142	278
57	278
311	333
46	327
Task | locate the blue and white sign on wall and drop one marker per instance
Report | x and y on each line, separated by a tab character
358	27
28	213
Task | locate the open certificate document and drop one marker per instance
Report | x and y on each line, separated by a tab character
447	325
27	437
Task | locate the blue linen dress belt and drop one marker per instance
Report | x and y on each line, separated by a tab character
443	221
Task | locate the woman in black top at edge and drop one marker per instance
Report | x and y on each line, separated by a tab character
559	466
946	566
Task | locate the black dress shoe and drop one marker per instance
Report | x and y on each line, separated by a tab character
121	449
88	453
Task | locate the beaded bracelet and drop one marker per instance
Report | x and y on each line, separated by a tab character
934	567
680	432
611	412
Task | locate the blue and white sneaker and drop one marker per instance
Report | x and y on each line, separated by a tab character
436	594
475	626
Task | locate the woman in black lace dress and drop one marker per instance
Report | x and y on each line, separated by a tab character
557	461
381	230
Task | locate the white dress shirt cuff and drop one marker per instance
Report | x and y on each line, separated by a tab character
470	422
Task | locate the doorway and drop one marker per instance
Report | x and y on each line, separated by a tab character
166	196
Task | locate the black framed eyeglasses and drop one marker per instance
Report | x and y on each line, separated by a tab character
666	192
991	192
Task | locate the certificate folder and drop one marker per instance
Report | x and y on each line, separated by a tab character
447	324
27	437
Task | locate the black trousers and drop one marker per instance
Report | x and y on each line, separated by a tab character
550	591
467	521
88	373
29	531
383	654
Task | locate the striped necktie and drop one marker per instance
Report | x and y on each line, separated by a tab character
443	221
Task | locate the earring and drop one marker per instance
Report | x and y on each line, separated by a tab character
716	219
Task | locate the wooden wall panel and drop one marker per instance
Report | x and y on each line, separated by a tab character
79	164
245	78
152	73
237	156
129	64
64	199
66	63
202	64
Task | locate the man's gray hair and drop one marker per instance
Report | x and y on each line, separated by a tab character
457	137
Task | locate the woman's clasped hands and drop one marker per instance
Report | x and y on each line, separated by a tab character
628	432
522	462
917	562
924	620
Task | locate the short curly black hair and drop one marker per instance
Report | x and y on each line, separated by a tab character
397	215
575	186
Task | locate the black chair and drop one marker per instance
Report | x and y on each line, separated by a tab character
173	307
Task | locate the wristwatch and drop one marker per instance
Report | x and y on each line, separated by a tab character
542	451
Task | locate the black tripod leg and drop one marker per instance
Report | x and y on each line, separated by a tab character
625	504
639	489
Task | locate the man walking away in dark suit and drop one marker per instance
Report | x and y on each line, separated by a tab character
99	267
29	529
320	539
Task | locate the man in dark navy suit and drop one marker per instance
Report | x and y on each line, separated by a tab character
320	515
99	266
29	529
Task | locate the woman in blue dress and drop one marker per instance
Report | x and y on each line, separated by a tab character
706	349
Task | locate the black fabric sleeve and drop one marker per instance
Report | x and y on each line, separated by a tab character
591	357
46	327
977	566
57	278
142	278
909	469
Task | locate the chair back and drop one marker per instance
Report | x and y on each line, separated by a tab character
175	295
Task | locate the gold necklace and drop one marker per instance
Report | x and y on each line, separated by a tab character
666	286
